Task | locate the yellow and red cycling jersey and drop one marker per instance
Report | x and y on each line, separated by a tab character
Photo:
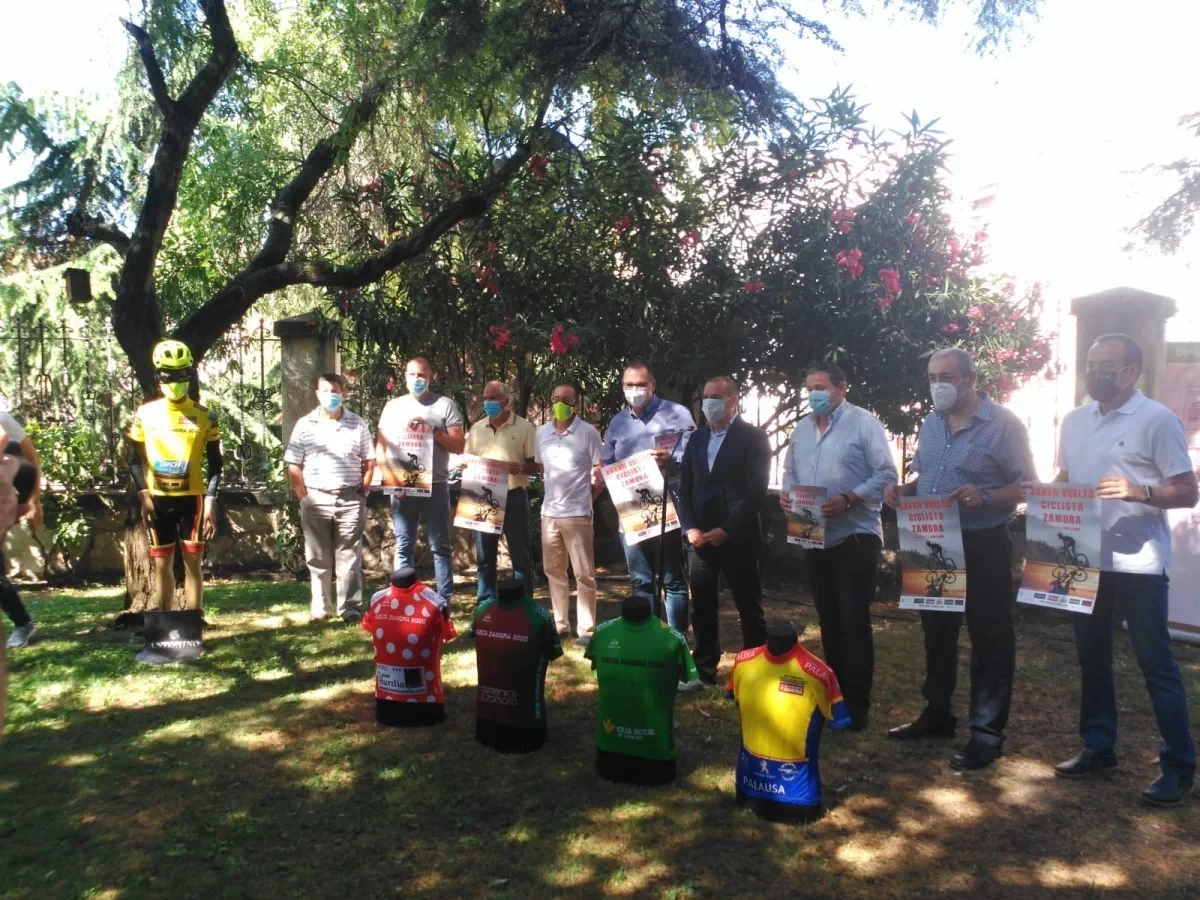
176	436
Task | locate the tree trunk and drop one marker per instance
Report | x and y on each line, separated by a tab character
139	572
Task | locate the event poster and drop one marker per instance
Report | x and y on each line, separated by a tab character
806	525
408	468
483	496
1181	394
1062	547
636	487
934	575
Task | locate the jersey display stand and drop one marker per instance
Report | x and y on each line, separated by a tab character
408	622
785	695
171	636
639	662
515	640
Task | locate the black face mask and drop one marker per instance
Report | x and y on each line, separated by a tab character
1102	386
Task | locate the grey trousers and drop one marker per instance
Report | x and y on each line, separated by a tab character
333	535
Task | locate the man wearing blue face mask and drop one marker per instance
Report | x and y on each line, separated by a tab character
722	488
503	435
423	408
843	449
976	452
330	461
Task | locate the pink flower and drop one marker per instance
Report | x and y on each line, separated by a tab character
975	312
754	287
537	165
844	220
694	127
891	280
952	328
791	175
854	139
851	262
572	339
658	185
886	300
921	232
560	341
491	249
911	219
391	384
955	250
622	224
500	335
691	239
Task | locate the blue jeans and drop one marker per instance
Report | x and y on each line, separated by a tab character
1141	600
406	513
516	535
640	559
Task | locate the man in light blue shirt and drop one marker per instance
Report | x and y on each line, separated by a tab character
651	423
843	449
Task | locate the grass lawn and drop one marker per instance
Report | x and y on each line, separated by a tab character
260	772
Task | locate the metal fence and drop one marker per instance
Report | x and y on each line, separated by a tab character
78	378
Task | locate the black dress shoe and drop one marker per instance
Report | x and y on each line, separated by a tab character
975	756
859	720
1169	789
1087	762
922	727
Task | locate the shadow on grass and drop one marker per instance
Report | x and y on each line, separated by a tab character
260	772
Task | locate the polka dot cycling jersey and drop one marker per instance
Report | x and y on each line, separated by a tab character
408	626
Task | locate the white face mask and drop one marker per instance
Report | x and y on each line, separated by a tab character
944	395
637	397
714	409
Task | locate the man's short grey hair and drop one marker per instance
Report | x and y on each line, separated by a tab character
728	385
503	387
964	360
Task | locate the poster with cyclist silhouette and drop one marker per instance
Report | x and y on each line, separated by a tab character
636	487
408	467
934	577
483	496
1062	547
806	525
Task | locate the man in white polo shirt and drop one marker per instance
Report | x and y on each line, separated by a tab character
1133	449
568	453
330	460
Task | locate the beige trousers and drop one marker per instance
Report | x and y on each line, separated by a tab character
570	537
333	534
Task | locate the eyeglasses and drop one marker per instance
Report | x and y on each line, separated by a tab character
174	376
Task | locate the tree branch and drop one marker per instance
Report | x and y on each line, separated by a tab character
154	72
203	328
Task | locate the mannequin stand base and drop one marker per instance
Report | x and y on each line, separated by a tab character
148	657
507	739
633	769
407	715
780	812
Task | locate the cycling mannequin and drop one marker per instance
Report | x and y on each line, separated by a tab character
167	439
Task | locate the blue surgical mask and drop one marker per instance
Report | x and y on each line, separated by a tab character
819	402
330	401
416	386
492	408
714	408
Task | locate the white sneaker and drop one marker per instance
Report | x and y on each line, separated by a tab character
22	636
691	687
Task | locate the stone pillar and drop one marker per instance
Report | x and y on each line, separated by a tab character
1136	313
309	345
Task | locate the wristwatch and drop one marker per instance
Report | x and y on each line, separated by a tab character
1149	493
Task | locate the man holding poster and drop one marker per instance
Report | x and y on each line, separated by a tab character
405	421
1133	450
975	453
842	451
505	437
652	423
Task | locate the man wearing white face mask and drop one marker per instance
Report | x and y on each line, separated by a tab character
330	460
976	452
652	423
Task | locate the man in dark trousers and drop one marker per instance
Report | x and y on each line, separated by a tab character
722	488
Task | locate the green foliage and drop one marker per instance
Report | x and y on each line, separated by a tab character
69	456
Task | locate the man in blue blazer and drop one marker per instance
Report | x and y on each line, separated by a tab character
722	488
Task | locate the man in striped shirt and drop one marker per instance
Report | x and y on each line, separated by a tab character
330	460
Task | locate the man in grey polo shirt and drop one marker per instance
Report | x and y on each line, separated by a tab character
1135	452
843	449
330	460
976	452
